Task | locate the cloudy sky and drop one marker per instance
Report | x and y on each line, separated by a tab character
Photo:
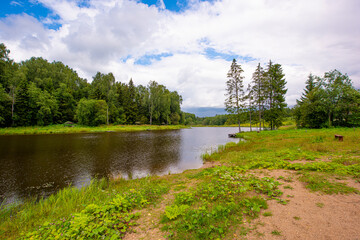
187	45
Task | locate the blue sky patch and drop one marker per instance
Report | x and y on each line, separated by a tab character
32	8
148	59
211	53
172	5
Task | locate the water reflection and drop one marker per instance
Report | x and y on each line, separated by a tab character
40	165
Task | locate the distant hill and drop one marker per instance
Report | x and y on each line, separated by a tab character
205	111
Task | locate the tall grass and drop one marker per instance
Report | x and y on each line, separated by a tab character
24	217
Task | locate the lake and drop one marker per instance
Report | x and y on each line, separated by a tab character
39	165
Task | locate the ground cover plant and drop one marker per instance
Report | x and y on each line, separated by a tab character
99	210
220	201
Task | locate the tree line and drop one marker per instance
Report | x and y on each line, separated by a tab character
264	97
36	92
328	101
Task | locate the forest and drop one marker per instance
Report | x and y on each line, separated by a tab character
36	92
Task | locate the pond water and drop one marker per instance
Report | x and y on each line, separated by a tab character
39	165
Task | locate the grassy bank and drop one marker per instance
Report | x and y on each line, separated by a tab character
63	129
218	202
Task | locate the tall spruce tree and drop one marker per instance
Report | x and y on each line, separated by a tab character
275	90
310	86
234	102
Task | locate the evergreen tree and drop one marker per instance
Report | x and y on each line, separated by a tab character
22	111
259	91
234	102
250	101
310	85
275	90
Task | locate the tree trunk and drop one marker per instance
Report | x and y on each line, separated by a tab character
12	107
250	122
238	115
107	115
259	118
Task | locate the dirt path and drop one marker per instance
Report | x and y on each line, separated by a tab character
309	215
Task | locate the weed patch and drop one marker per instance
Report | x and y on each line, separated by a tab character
319	183
219	202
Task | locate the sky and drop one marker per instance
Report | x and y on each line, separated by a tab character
187	45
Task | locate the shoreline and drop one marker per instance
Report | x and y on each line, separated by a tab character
62	129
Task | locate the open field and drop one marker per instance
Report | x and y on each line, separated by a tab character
284	184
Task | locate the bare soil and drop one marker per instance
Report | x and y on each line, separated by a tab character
307	215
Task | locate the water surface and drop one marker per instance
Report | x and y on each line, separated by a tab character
38	165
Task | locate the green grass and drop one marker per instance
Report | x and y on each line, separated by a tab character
276	233
320	205
220	200
56	213
320	183
267	214
63	129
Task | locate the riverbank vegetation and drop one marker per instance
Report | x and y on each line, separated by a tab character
73	128
38	93
217	202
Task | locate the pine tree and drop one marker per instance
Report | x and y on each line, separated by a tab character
234	102
258	90
310	85
250	102
275	91
22	110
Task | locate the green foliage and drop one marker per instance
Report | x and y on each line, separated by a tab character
91	112
98	221
36	92
218	202
234	102
275	95
267	214
316	182
172	212
276	233
328	101
184	198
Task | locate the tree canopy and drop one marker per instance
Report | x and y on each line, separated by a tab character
328	101
37	92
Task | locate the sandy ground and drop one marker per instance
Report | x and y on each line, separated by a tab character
307	215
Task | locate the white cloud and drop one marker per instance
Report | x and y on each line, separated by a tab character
304	36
